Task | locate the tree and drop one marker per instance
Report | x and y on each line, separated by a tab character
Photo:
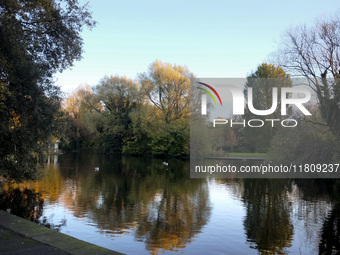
47	31
314	53
231	140
171	140
168	87
115	117
118	97
262	82
309	143
37	38
142	127
76	106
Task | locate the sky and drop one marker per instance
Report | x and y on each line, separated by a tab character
212	38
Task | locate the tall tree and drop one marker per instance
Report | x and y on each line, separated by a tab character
76	106
117	96
262	82
37	38
314	53
167	87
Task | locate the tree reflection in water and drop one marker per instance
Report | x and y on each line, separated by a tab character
24	203
27	199
271	204
164	207
267	223
330	234
325	190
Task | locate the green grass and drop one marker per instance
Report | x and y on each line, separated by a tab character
247	154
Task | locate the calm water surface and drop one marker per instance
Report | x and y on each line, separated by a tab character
140	206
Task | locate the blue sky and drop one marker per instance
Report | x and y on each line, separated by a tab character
213	38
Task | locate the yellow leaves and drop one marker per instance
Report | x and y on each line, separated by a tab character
271	71
54	139
72	104
168	73
14	121
168	86
49	187
3	92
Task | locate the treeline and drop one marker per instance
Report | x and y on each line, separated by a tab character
313	140
149	116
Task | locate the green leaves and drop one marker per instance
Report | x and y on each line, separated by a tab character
262	81
37	37
50	33
127	122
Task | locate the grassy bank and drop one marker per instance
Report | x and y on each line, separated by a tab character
247	154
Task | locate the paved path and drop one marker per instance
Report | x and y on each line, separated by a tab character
14	243
20	236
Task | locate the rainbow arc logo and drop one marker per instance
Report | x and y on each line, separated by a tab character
204	99
209	93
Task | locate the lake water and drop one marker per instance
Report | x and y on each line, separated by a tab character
140	206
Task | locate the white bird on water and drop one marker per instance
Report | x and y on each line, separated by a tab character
165	163
96	169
